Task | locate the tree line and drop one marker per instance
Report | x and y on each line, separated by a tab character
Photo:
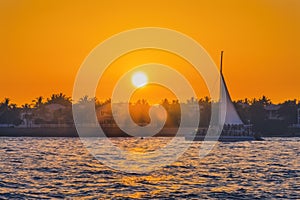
250	110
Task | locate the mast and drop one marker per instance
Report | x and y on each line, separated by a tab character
222	97
221	63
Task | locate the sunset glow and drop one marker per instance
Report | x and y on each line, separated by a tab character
160	99
44	43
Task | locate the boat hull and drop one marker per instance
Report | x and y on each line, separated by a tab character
221	138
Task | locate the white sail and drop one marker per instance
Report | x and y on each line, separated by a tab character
232	116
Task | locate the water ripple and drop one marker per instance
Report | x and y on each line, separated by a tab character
62	168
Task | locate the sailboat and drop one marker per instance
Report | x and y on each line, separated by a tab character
233	129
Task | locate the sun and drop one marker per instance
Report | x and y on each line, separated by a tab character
139	79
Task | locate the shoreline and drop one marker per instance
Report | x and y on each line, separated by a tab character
93	132
72	132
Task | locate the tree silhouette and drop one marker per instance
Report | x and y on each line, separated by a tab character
205	111
248	109
288	111
38	102
9	113
60	98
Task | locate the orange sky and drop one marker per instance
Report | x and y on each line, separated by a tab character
43	43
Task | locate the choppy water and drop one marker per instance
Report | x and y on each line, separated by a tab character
62	168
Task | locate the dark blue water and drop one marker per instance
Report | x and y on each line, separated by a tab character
63	168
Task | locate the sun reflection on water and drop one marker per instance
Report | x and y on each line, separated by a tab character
62	168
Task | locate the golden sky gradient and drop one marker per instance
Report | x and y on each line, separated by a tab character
43	43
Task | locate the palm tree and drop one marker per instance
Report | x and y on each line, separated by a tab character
38	102
4	110
265	100
5	104
60	98
86	99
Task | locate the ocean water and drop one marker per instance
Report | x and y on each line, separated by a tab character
63	168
